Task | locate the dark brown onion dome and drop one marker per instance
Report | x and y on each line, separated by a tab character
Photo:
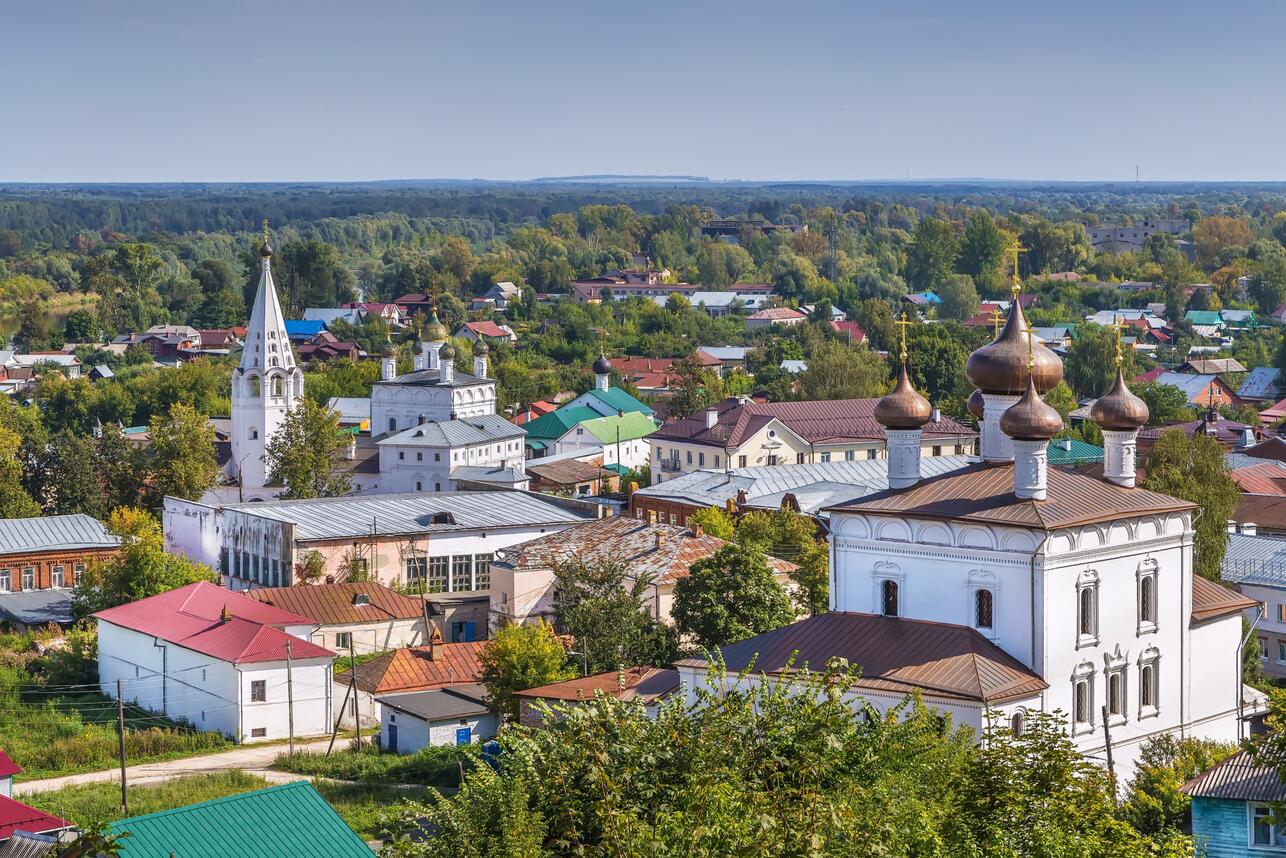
1120	410
976	404
1000	367
437	331
1031	418
480	348
602	366
447	352
904	408
265	250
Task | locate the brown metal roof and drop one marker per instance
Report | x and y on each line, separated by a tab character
817	422
1237	778
569	471
894	654
414	669
1210	601
985	493
631	541
633	683
332	604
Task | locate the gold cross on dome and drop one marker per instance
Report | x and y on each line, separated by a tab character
903	324
1016	249
1031	360
1119	325
996	318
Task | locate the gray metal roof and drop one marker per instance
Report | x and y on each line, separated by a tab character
37	607
1261	383
351	408
811	483
1192	385
460	432
1254	560
726	352
1235	460
457	701
1238	778
508	477
433	378
349	517
53	533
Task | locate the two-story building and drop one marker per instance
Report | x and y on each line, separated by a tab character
41	560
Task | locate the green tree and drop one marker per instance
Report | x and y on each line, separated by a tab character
304	452
1062	400
1193	469
959	296
1090	367
931	256
982	252
693	386
1166	404
135	303
1154	804
729	596
605	609
81	327
519	657
69	474
839	371
121	468
143	568
14	500
875	318
714	521
183	463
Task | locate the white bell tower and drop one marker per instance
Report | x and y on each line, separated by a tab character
265	386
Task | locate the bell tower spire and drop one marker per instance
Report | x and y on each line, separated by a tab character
265	385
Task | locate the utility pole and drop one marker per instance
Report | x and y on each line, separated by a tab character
1111	766
120	729
290	701
352	686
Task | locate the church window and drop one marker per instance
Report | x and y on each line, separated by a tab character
1087	609
1147	596
419	487
1116	692
437	487
1148	688
983	604
254	386
419	457
401	455
1082	702
889	598
278	386
1017	723
254	434
392	424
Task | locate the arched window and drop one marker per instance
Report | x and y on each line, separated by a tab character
272	361
1081	702
254	386
1088	614
1147	685
1116	692
889	598
419	486
278	387
254	434
392	424
1017	723
983	601
437	487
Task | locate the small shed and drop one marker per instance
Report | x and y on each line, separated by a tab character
456	715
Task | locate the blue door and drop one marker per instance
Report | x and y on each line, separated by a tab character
392	738
462	632
463	736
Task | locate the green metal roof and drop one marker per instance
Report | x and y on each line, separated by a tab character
1203	317
554	425
619	400
1079	454
289	819
631	425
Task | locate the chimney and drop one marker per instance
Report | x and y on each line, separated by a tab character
225	615
698	531
651	516
936	416
1249	528
712	417
435	644
1246	438
660	540
1232	525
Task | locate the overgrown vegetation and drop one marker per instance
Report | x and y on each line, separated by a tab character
439	766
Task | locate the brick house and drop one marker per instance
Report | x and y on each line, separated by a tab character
50	553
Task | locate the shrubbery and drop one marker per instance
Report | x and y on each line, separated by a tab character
437	766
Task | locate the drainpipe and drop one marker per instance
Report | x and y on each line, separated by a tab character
241	727
165	673
1241	647
1031	578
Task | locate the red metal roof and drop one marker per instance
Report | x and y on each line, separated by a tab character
632	683
332	604
191	617
1266	479
488	329
8	768
16	816
851	329
894	654
415	668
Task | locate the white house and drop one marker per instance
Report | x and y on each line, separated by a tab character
455	715
423	458
219	661
357	616
1007	587
621	439
1256	565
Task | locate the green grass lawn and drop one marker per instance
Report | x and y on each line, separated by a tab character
360	805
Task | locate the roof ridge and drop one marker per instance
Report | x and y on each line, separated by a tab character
227	799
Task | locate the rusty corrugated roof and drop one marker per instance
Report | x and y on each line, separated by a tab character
332	604
633	683
414	668
631	541
1239	779
894	654
1210	601
984	492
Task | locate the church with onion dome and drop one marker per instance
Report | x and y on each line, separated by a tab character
1007	587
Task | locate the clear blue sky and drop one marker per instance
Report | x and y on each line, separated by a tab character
159	90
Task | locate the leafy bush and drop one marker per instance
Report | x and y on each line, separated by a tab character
437	766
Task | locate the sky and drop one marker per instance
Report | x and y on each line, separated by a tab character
223	90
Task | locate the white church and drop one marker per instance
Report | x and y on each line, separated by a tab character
430	428
1008	587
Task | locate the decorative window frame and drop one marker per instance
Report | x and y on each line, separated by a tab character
1018	722
1087	580
1147	570
1150	658
880	573
1084	672
983	579
1116	664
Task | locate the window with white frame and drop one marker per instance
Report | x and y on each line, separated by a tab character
6	580
983	588
1087	609
889	597
77	573
983	607
57	577
1083	699
1017	723
1147	596
1116	693
1149	683
28	578
1281	651
438	568
1262	830
417	568
482	571
1263	648
461	573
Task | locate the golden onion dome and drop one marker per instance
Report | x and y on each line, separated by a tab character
976	404
1120	410
437	331
1000	367
1031	418
480	347
904	407
265	250
447	352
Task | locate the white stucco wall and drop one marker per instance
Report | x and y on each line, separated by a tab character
409	405
414	734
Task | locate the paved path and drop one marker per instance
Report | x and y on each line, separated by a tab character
253	759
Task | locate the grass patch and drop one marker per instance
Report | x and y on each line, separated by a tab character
363	806
437	767
97	803
343	663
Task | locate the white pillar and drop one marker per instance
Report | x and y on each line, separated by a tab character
602	381
431	350
1031	469
1118	456
904	457
420	359
996	445
447	370
388	369
480	366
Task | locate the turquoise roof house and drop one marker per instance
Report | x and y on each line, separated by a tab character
1232	810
